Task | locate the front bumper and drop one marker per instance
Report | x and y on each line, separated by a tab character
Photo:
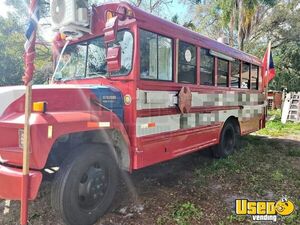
11	183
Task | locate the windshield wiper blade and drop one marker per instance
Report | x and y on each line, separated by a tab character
99	74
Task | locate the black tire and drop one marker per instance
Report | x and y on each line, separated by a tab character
85	185
238	141
227	142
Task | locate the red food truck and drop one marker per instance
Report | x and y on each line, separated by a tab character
129	90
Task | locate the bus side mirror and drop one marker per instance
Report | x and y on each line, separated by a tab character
110	30
113	59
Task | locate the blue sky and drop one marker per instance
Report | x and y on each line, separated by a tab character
179	8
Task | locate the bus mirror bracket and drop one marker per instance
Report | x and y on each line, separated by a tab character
113	59
110	30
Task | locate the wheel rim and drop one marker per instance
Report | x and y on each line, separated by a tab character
92	187
228	141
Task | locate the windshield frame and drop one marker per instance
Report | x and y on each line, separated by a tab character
107	75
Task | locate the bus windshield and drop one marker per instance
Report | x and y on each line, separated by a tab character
88	59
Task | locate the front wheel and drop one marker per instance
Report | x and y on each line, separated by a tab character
85	185
227	142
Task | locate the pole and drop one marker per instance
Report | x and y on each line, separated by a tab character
27	78
266	78
26	156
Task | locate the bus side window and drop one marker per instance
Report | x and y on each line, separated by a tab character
254	77
155	56
222	72
235	73
245	76
165	61
187	63
206	68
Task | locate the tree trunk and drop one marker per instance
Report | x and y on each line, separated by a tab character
231	29
241	32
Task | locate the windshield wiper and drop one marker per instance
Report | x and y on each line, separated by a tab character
98	74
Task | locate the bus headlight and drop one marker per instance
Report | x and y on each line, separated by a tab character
21	138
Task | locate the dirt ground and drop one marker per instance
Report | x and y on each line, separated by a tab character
194	189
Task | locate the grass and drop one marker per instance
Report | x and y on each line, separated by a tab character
264	169
294	152
275	128
181	214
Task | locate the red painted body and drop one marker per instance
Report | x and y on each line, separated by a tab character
69	109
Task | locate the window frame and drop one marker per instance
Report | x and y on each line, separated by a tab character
87	41
240	74
196	64
213	67
257	77
249	75
157	60
217	73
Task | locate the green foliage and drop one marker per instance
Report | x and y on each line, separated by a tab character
11	48
236	218
174	19
275	128
294	152
12	41
185	212
181	214
277	175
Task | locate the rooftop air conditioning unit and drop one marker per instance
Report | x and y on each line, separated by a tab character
69	15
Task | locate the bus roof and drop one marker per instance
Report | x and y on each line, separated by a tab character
156	24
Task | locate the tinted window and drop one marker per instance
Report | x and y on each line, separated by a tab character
206	67
155	56
254	77
187	63
245	75
235	73
222	72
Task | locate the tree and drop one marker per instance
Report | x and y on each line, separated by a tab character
282	27
152	6
190	25
11	48
233	16
174	19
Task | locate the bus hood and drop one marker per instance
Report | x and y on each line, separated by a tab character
62	98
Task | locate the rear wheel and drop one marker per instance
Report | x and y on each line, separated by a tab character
227	142
85	185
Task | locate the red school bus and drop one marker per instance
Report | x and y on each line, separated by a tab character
129	91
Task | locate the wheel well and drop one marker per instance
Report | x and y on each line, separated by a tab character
109	138
235	123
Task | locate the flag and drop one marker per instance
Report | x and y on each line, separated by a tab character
268	65
30	41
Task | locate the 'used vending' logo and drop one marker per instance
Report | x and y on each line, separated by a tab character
264	210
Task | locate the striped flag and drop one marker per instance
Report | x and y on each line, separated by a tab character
268	65
30	41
